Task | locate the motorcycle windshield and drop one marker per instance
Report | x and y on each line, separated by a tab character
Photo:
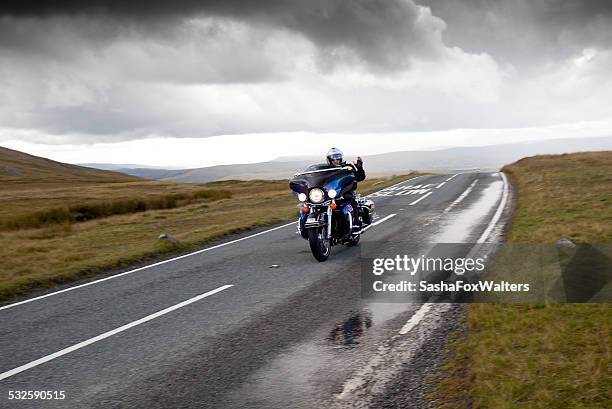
322	176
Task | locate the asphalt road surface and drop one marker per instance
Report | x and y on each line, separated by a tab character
255	321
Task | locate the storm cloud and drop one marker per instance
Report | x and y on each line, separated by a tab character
83	72
380	33
525	32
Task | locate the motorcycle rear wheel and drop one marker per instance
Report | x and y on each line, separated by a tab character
354	240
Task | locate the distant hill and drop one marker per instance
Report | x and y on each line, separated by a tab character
444	160
491	157
117	166
16	165
262	170
157	174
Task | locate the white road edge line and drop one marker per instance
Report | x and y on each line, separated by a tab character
4	307
419	199
498	213
419	315
415	319
100	337
461	197
141	268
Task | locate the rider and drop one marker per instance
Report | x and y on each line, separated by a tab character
336	158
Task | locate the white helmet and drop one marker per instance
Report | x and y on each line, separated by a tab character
334	153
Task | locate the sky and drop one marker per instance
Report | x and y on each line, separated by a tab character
198	83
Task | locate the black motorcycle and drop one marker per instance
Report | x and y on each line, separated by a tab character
325	217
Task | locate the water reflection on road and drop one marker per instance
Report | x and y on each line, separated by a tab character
309	373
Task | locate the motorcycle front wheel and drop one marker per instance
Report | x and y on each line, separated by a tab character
319	245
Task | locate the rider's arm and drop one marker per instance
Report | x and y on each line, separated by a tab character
359	172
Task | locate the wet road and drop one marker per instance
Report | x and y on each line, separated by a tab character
223	328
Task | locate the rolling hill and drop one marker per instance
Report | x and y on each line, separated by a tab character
20	166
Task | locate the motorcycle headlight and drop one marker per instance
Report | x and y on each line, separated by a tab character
302	197
332	193
316	195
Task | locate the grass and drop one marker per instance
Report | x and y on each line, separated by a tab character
563	196
541	355
65	229
100	209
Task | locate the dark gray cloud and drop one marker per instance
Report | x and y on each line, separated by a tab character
525	32
136	8
183	53
382	34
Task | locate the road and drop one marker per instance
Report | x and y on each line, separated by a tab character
254	321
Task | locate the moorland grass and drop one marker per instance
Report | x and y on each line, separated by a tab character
100	209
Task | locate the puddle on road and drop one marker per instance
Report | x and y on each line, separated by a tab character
311	372
348	332
458	226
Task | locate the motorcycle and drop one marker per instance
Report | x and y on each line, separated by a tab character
325	217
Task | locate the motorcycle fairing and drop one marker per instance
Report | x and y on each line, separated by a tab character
340	180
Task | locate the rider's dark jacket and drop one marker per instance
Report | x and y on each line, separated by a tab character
359	176
357	171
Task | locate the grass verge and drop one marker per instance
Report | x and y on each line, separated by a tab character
534	355
38	255
99	209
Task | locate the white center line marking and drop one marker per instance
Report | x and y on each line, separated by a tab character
109	333
382	220
419	199
440	185
378	222
451	177
461	197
